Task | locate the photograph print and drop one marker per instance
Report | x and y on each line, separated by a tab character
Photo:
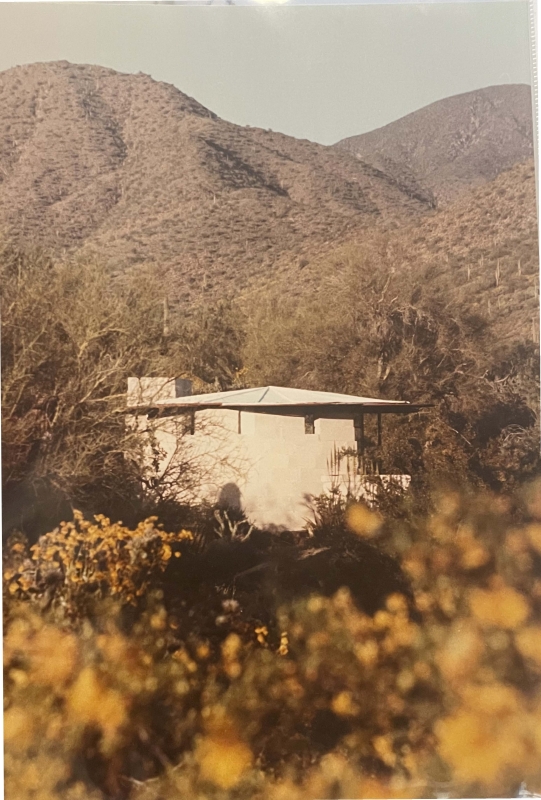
271	473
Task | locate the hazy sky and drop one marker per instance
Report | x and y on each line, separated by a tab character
314	72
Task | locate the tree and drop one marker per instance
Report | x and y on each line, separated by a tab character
70	340
375	325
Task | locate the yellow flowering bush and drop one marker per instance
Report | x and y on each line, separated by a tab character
99	705
201	698
84	559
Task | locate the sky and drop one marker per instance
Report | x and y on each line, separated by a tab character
312	71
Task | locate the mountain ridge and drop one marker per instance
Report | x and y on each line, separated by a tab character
455	143
133	171
122	165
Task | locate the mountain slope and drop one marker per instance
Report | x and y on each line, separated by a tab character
453	144
479	254
136	171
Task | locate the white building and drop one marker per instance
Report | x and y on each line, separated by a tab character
268	450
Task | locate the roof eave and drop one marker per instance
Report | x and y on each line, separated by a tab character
329	410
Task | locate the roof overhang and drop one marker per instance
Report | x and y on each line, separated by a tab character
319	410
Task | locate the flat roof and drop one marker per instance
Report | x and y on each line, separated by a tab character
280	400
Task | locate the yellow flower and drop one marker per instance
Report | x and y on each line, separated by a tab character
230	652
53	655
405	681
466	743
461	652
496	699
415	566
367	652
363	521
223	759
474	554
533	533
501	607
397	603
90	702
528	641
383	745
283	649
343	705
166	552
490	735
203	651
19	727
262	634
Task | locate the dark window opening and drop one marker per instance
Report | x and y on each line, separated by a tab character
310	424
190	423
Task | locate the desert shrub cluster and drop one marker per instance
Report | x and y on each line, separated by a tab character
121	683
70	341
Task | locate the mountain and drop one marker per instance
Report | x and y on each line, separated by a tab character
454	144
135	171
478	254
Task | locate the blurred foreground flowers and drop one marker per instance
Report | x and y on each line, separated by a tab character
111	692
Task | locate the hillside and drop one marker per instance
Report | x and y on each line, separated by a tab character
136	171
454	144
479	253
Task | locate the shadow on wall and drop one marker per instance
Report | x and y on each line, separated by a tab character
230	499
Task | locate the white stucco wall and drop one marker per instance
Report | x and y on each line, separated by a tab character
272	466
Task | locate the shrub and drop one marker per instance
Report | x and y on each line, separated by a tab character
82	561
71	337
343	703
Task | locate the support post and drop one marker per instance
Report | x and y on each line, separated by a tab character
359	437
378	461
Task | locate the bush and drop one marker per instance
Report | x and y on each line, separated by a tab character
338	703
376	327
82	561
71	338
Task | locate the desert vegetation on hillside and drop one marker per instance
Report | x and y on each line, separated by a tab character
380	328
495	126
135	171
